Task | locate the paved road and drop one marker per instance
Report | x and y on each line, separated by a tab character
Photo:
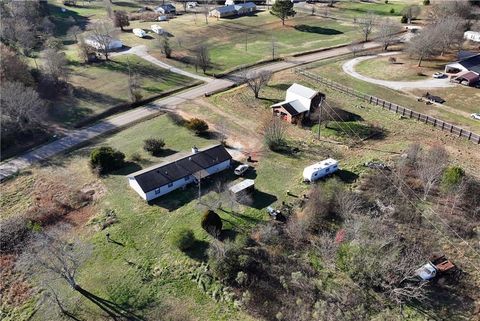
349	68
75	138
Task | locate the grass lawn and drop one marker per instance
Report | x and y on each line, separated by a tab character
350	9
332	69
403	70
102	85
461	97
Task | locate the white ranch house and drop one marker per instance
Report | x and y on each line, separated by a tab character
160	179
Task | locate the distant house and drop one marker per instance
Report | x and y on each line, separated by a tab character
166	9
99	43
231	10
467	62
163	178
299	102
472	35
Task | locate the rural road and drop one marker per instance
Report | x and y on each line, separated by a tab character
349	68
77	137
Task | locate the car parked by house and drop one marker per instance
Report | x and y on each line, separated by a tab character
139	32
241	169
438	75
475	116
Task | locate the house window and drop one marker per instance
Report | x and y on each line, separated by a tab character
170	184
157	191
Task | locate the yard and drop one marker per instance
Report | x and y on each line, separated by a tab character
332	70
102	85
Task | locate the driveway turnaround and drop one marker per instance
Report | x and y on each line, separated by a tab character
75	138
349	68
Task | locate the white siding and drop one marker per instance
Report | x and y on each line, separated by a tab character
133	184
165	189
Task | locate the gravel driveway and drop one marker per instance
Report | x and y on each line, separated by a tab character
349	68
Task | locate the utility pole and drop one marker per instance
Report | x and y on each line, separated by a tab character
320	117
246	41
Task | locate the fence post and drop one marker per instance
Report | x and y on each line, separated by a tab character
411	113
370	100
403	112
469	135
460	133
426	119
443	124
435	122
418	118
451	127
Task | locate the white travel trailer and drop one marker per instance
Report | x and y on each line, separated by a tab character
157	29
139	32
100	42
321	169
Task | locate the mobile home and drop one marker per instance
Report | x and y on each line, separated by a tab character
321	169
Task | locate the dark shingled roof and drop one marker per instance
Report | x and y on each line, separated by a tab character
472	63
164	173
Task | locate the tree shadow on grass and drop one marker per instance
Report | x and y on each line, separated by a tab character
130	167
165	152
282	87
318	30
198	251
228	234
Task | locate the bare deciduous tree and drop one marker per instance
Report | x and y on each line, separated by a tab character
411	12
448	31
134	85
366	25
102	32
430	168
355	47
256	80
202	57
424	45
387	32
74	31
274	132
120	19
12	67
22	108
55	65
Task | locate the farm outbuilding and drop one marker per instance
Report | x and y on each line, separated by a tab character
469	62
299	102
166	9
163	178
321	169
470	78
231	10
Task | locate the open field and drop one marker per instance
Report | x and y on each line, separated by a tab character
353	9
333	70
102	85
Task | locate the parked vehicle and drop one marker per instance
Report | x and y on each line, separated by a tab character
162	18
475	116
139	32
241	169
157	29
437	266
192	4
273	212
438	75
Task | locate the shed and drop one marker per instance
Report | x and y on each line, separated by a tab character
470	63
245	187
470	77
321	169
472	35
98	42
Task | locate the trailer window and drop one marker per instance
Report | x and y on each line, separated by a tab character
327	170
157	191
170	184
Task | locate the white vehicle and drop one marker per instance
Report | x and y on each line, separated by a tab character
438	75
475	116
157	29
321	169
241	169
192	4
139	32
426	272
162	18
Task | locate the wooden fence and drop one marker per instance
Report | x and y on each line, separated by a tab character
460	132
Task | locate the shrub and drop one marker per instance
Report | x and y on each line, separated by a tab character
212	223
392	60
426	2
153	145
105	159
392	10
184	239
13	231
452	176
136	157
197	125
404	19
